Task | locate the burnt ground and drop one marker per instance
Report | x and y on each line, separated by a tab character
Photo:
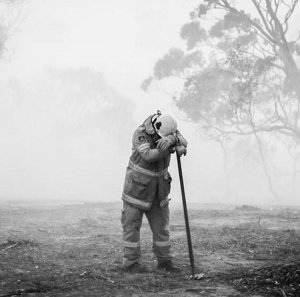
57	249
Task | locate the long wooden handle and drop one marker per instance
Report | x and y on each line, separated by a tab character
186	217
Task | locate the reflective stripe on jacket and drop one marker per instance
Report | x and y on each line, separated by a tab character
147	171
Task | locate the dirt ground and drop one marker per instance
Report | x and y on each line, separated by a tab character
75	249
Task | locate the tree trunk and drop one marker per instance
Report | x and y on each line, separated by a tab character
290	68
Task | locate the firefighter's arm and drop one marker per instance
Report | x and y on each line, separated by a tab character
180	140
175	141
143	147
181	144
181	150
165	142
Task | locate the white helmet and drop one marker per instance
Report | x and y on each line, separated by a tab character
165	125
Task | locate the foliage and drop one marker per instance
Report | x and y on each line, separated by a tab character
241	73
11	16
193	34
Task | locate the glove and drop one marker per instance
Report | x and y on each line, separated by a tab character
165	142
181	150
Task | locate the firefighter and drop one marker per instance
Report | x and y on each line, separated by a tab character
146	189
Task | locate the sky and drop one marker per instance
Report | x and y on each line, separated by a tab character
119	38
122	40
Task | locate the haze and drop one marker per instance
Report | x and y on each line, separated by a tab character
71	99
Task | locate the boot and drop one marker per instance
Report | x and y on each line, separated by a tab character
135	268
168	266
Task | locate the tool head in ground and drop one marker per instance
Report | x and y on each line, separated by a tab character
196	276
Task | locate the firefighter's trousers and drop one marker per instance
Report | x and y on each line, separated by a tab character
158	219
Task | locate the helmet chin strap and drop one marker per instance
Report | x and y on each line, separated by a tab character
154	119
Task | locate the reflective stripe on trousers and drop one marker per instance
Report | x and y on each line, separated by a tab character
158	219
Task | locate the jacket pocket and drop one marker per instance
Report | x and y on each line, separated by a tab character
140	185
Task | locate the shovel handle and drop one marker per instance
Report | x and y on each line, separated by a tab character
186	217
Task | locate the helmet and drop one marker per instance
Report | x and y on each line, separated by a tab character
165	125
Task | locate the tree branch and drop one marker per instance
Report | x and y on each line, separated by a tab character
288	14
268	37
258	8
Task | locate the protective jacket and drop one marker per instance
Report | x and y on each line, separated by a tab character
147	172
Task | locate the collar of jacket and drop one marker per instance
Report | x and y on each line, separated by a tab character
149	129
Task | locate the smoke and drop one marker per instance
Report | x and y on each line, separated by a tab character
66	135
62	136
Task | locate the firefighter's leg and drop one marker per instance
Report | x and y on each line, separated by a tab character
159	223
131	222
